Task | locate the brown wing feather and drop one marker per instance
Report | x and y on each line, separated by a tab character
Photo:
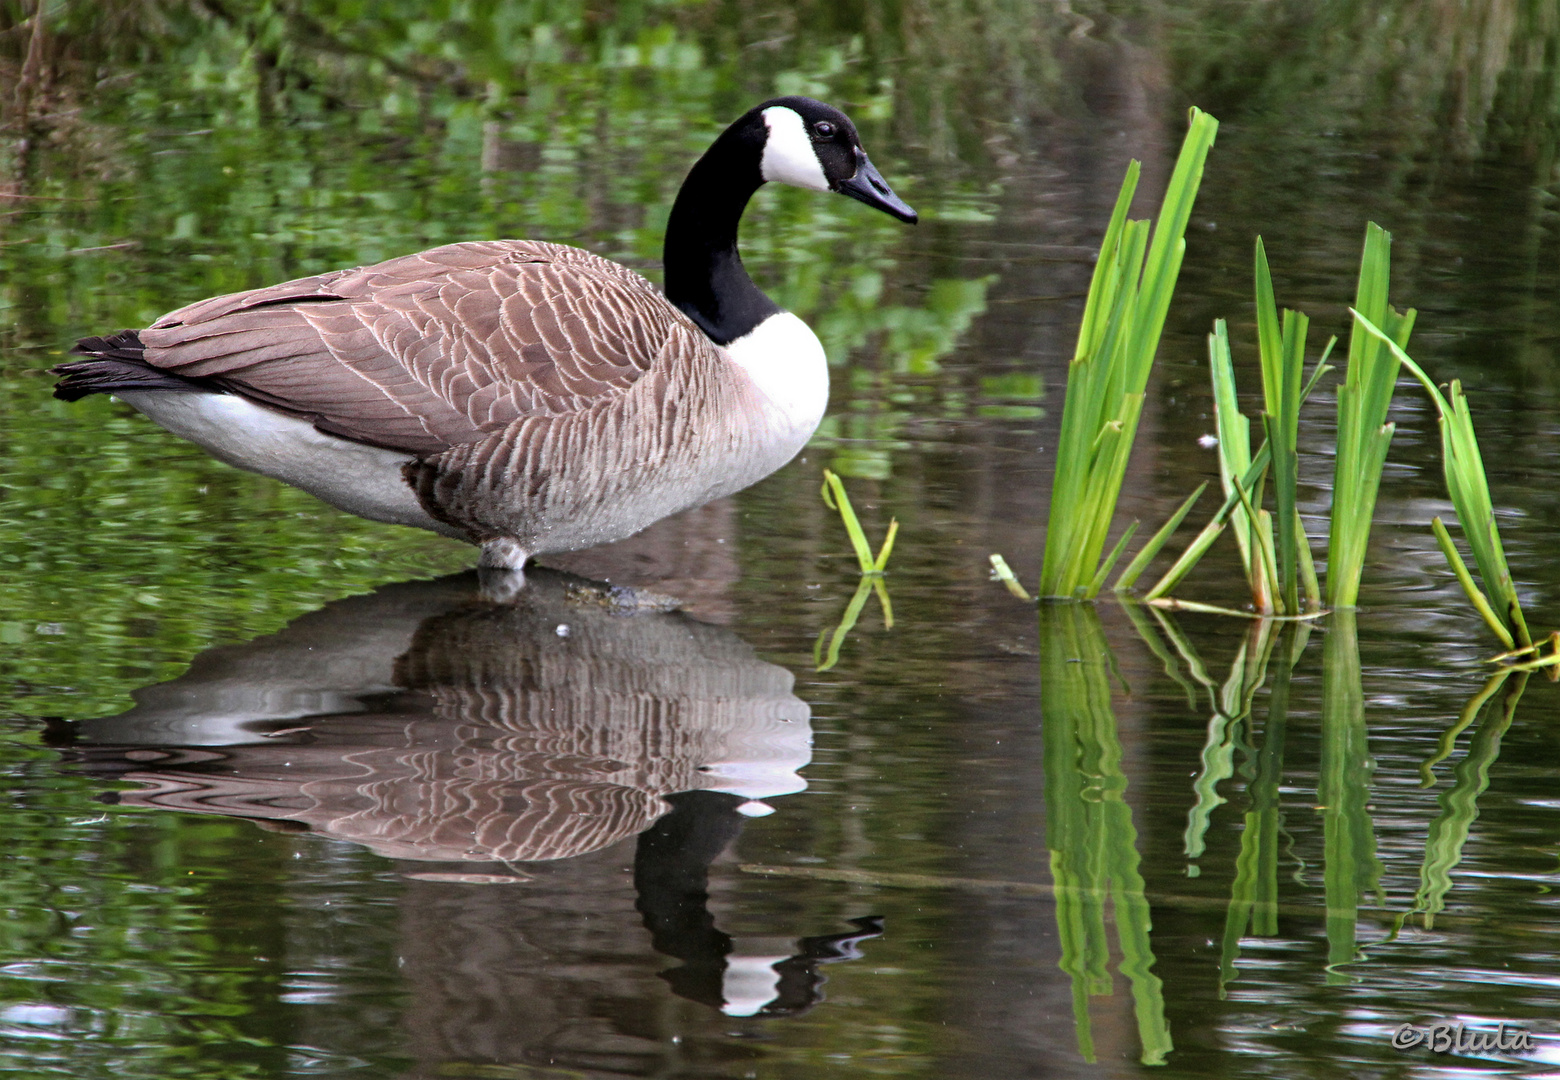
432	350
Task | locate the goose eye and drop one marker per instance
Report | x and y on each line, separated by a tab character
824	129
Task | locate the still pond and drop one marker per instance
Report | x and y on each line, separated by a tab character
286	796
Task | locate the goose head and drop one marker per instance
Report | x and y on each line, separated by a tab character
786	140
809	144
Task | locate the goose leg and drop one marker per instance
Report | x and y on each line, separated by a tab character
503	554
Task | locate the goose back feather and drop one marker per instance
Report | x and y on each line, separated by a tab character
429	351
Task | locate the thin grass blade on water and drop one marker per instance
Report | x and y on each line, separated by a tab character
1234	433
835	498
1004	573
1124	315
1532	658
1089	829
1237	497
1476	597
1151	549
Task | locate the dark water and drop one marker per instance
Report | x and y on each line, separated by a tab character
289	794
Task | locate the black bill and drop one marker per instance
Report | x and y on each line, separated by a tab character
869	187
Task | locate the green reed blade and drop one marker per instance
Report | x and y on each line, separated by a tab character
1234	434
1263	576
881	562
1270	563
1363	433
1129	297
835	498
1322	368
1190	557
1536	651
1101	298
1005	575
840	501
1084	403
1204	540
1286	455
1469	489
1281	341
1269	337
1170	603
1098	581
1480	602
1313	588
1156	542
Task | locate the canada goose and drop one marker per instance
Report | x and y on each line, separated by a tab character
525	396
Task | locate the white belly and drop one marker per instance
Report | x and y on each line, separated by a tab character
362	480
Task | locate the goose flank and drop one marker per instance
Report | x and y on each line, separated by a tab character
525	396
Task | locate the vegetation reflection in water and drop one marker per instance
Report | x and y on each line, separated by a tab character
1089	831
1093	844
1254	890
1459	803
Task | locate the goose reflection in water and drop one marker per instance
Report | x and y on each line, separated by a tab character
425	722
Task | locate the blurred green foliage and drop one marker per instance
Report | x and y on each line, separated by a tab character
183	150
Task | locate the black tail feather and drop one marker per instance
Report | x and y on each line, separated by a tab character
125	345
114	364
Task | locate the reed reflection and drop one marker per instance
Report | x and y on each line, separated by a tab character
1459	804
1089	830
1351	868
461	735
1254	891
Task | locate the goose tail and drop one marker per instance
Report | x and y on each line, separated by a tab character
114	364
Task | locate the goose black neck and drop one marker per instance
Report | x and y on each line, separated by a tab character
704	274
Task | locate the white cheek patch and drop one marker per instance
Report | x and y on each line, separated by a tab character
788	152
